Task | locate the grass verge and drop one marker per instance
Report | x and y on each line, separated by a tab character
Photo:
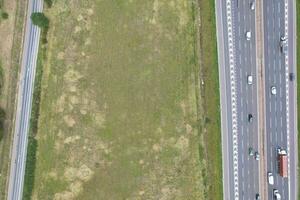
210	95
35	112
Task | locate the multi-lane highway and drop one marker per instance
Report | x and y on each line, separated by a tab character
237	59
26	85
280	66
272	123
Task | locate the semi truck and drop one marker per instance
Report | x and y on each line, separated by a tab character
282	162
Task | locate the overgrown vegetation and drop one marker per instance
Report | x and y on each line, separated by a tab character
40	20
35	112
210	95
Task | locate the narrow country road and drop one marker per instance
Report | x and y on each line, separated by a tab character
24	103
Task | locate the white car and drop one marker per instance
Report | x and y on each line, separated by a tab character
283	44
249	79
252	5
276	194
270	178
256	156
248	35
273	90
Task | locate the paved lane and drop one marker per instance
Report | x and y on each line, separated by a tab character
236	61
279	17
293	150
27	75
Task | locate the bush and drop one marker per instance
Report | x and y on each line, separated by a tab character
40	20
4	15
49	3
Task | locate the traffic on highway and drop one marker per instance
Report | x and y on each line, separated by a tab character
257	70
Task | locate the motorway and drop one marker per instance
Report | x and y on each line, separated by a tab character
238	98
242	176
24	103
280	108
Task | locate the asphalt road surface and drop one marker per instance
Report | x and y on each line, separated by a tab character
26	85
237	61
281	118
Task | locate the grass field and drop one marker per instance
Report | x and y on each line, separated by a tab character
120	106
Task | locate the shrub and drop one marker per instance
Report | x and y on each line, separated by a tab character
40	20
49	3
4	15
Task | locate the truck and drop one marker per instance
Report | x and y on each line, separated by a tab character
282	162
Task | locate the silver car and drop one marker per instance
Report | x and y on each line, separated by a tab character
256	156
273	90
252	5
248	35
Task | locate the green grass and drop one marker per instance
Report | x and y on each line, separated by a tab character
210	95
35	112
298	84
119	103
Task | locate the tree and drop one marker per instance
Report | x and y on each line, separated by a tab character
40	20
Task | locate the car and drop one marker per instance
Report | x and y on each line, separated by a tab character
257	197
270	178
249	79
284	48
250	118
256	156
273	90
281	151
292	76
283	38
248	35
251	151
252	5
283	44
276	194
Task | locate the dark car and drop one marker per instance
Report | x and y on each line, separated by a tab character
292	76
250	118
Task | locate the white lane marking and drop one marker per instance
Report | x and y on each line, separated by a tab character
233	88
271	157
287	91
